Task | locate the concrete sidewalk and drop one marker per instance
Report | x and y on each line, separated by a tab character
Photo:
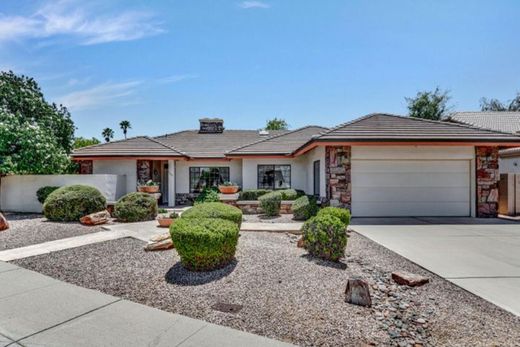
37	310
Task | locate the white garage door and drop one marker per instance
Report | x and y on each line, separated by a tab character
385	188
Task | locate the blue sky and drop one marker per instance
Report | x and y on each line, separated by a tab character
164	64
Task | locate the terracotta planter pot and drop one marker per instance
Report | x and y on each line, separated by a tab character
228	189
165	222
148	189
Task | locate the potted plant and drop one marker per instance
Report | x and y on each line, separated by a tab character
165	220
149	187
228	188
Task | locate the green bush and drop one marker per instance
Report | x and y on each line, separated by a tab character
214	210
136	207
304	208
44	192
204	243
207	195
270	203
289	194
252	194
325	237
70	203
342	213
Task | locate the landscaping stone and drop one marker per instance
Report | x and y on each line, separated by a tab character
409	279
4	224
159	245
160	237
97	218
358	292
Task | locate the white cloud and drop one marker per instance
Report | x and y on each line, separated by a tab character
106	94
177	78
254	4
67	18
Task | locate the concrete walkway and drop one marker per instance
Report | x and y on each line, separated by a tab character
36	310
479	255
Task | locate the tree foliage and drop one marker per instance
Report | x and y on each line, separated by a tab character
80	142
107	134
497	105
276	124
429	104
35	136
125	125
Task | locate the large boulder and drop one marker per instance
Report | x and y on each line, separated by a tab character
409	279
4	224
95	218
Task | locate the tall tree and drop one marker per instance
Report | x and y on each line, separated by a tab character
80	142
125	125
429	104
497	105
107	134
276	124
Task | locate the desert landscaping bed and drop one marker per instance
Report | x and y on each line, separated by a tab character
30	229
260	218
286	295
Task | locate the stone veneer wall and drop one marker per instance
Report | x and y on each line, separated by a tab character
337	175
488	176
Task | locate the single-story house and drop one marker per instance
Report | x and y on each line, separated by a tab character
377	165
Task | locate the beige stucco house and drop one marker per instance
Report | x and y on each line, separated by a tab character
377	165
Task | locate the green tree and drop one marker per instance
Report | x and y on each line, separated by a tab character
429	105
21	96
497	105
107	134
276	124
80	142
125	125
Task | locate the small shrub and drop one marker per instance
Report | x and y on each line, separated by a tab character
44	192
270	203
214	210
70	203
325	237
162	210
342	213
207	195
304	208
136	207
203	243
289	194
252	194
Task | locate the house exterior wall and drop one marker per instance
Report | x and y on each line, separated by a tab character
487	181
317	153
118	167
182	172
298	171
509	165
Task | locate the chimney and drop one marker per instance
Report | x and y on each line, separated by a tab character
211	126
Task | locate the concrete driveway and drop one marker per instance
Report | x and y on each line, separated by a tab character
479	255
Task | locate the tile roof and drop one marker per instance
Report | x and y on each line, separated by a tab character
386	127
282	144
500	121
139	146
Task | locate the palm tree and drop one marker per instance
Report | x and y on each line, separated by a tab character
107	134
125	125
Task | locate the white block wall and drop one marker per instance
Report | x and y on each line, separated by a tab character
118	167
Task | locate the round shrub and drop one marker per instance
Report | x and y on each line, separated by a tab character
289	194
207	195
204	243
215	210
304	208
325	237
70	203
342	213
44	192
136	207
270	203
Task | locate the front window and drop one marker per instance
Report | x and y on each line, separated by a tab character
205	177
274	176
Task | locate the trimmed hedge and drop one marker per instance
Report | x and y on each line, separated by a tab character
270	203
342	213
252	194
44	192
289	194
325	237
215	210
207	195
136	207
70	203
304	208
204	243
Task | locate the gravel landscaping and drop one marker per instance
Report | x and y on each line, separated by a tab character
289	296
30	229
260	218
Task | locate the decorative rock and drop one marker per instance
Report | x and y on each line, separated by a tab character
160	237
160	245
358	292
300	243
97	218
4	224
409	279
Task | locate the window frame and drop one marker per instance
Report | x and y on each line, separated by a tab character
274	166
191	173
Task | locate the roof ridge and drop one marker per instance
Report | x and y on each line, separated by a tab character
109	142
273	137
165	145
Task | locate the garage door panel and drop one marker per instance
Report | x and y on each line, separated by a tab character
410	166
412	194
392	209
433	180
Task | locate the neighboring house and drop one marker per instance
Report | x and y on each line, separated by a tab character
508	122
377	165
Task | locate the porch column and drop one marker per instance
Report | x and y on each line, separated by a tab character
487	181
337	175
171	183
